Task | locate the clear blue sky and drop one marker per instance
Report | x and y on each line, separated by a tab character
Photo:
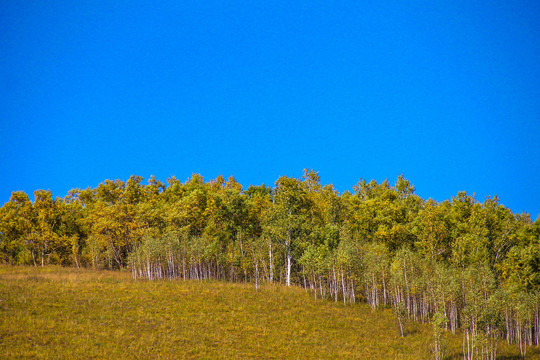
445	92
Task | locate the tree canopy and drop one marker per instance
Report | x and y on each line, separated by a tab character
475	265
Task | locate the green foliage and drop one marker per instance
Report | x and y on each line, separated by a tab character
439	346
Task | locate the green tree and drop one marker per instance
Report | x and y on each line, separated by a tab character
434	239
287	218
439	346
45	239
16	218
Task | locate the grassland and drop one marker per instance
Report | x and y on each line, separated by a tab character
62	313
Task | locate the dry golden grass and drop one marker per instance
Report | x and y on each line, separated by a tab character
64	313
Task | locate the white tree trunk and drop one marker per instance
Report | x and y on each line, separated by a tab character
288	268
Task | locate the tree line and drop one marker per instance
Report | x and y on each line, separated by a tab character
472	266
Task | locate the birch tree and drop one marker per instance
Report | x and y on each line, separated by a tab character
287	218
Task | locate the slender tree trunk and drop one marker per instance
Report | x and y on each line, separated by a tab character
288	278
288	245
537	323
184	266
304	276
335	283
271	265
315	286
352	292
34	258
384	288
256	275
343	286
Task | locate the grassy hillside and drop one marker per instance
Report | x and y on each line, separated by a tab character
67	313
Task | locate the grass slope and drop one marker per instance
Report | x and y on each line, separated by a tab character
66	313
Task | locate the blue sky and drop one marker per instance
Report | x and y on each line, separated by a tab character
446	93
